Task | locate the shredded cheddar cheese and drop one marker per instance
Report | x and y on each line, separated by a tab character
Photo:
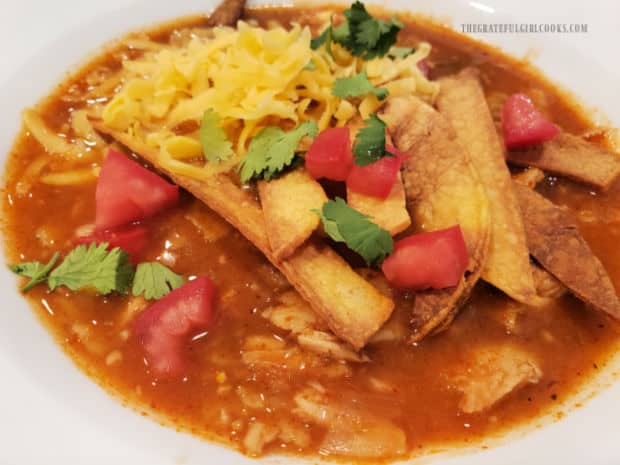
251	77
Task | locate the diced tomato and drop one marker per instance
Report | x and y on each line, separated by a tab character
378	178
522	123
166	326
128	192
132	240
434	259
330	155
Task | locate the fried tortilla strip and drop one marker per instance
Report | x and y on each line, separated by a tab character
353	308
443	189
554	241
227	13
571	156
287	204
321	276
389	213
461	100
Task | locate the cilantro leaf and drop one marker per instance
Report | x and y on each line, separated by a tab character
272	150
369	144
324	38
310	66
95	267
364	35
344	224
356	86
154	280
330	226
340	34
214	140
36	271
400	52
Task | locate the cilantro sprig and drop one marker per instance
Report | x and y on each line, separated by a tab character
356	86
400	52
214	141
344	224
105	271
94	267
325	38
272	150
369	145
36	271
153	280
361	33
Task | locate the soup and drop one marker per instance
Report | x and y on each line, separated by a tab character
266	311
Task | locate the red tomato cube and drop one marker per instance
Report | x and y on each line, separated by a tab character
330	155
434	259
167	325
378	178
523	125
127	192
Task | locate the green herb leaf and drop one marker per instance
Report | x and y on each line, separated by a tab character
310	66
364	35
340	34
153	280
357	85
95	267
324	38
344	224
272	150
36	271
400	52
214	140
369	144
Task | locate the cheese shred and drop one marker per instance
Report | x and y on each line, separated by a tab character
251	77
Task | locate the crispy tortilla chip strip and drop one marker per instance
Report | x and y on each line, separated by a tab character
461	100
571	156
287	204
227	13
354	318
443	189
389	213
555	242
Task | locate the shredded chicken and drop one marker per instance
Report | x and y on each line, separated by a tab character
492	373
294	435
258	436
350	431
530	177
546	284
135	306
293	314
211	226
265	353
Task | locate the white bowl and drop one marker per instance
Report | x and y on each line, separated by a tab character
52	412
